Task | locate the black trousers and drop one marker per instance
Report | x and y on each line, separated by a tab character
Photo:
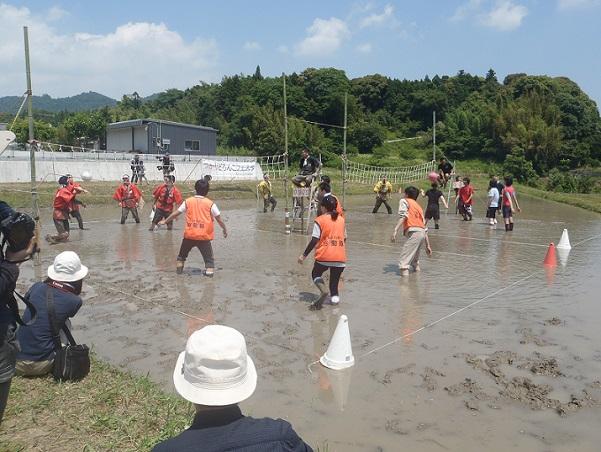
379	202
125	213
204	246
266	201
77	215
335	274
62	226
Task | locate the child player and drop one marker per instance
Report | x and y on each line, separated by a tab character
434	195
329	241
411	219
466	196
510	203
493	202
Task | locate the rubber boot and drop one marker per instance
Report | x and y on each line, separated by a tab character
321	285
511	226
179	267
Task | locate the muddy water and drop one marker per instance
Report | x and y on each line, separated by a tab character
519	370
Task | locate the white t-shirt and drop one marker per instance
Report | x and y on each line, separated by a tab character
493	197
214	209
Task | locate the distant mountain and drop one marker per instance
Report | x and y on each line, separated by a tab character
80	102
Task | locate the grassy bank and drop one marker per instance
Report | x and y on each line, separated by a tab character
108	410
589	201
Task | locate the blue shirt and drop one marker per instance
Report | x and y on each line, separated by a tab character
226	429
36	340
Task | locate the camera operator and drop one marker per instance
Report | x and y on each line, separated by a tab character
18	233
167	166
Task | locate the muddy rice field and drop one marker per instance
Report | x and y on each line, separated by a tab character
509	359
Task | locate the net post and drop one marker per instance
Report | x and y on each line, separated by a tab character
286	170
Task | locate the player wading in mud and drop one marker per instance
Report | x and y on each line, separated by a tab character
329	241
411	219
264	189
76	204
199	229
166	196
63	199
128	196
382	189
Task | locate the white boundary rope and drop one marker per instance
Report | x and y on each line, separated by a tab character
452	314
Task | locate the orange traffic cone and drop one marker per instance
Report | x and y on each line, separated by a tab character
551	257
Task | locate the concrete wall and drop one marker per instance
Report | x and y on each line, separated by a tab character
18	170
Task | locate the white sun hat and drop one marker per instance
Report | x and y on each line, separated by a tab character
215	370
67	268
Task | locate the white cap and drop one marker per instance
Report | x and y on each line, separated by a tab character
215	370
67	268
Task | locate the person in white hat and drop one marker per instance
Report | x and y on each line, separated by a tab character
215	374
62	288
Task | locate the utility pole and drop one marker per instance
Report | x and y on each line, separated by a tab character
286	209
34	194
344	152
434	136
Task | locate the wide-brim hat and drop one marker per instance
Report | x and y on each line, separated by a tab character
67	267
215	369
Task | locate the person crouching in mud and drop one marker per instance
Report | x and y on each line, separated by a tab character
63	198
329	241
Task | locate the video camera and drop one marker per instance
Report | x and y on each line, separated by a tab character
17	231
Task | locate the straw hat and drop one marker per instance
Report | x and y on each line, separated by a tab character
214	369
67	268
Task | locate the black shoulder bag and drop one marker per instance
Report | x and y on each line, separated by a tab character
71	362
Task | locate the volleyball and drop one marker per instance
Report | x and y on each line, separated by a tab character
433	176
86	176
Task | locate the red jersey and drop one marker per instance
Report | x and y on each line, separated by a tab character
165	198
466	193
63	198
507	193
127	195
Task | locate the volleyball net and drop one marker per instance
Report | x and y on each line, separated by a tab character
369	175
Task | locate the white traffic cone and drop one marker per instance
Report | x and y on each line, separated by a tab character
564	242
563	254
339	354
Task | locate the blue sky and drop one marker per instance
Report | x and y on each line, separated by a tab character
116	47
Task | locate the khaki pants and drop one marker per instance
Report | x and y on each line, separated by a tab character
34	368
411	248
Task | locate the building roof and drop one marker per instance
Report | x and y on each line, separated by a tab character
143	122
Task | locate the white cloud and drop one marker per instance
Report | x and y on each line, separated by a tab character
143	57
364	48
374	20
467	9
576	4
252	46
505	16
56	13
324	37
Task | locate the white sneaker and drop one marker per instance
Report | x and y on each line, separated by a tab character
495	221
335	299
404	272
